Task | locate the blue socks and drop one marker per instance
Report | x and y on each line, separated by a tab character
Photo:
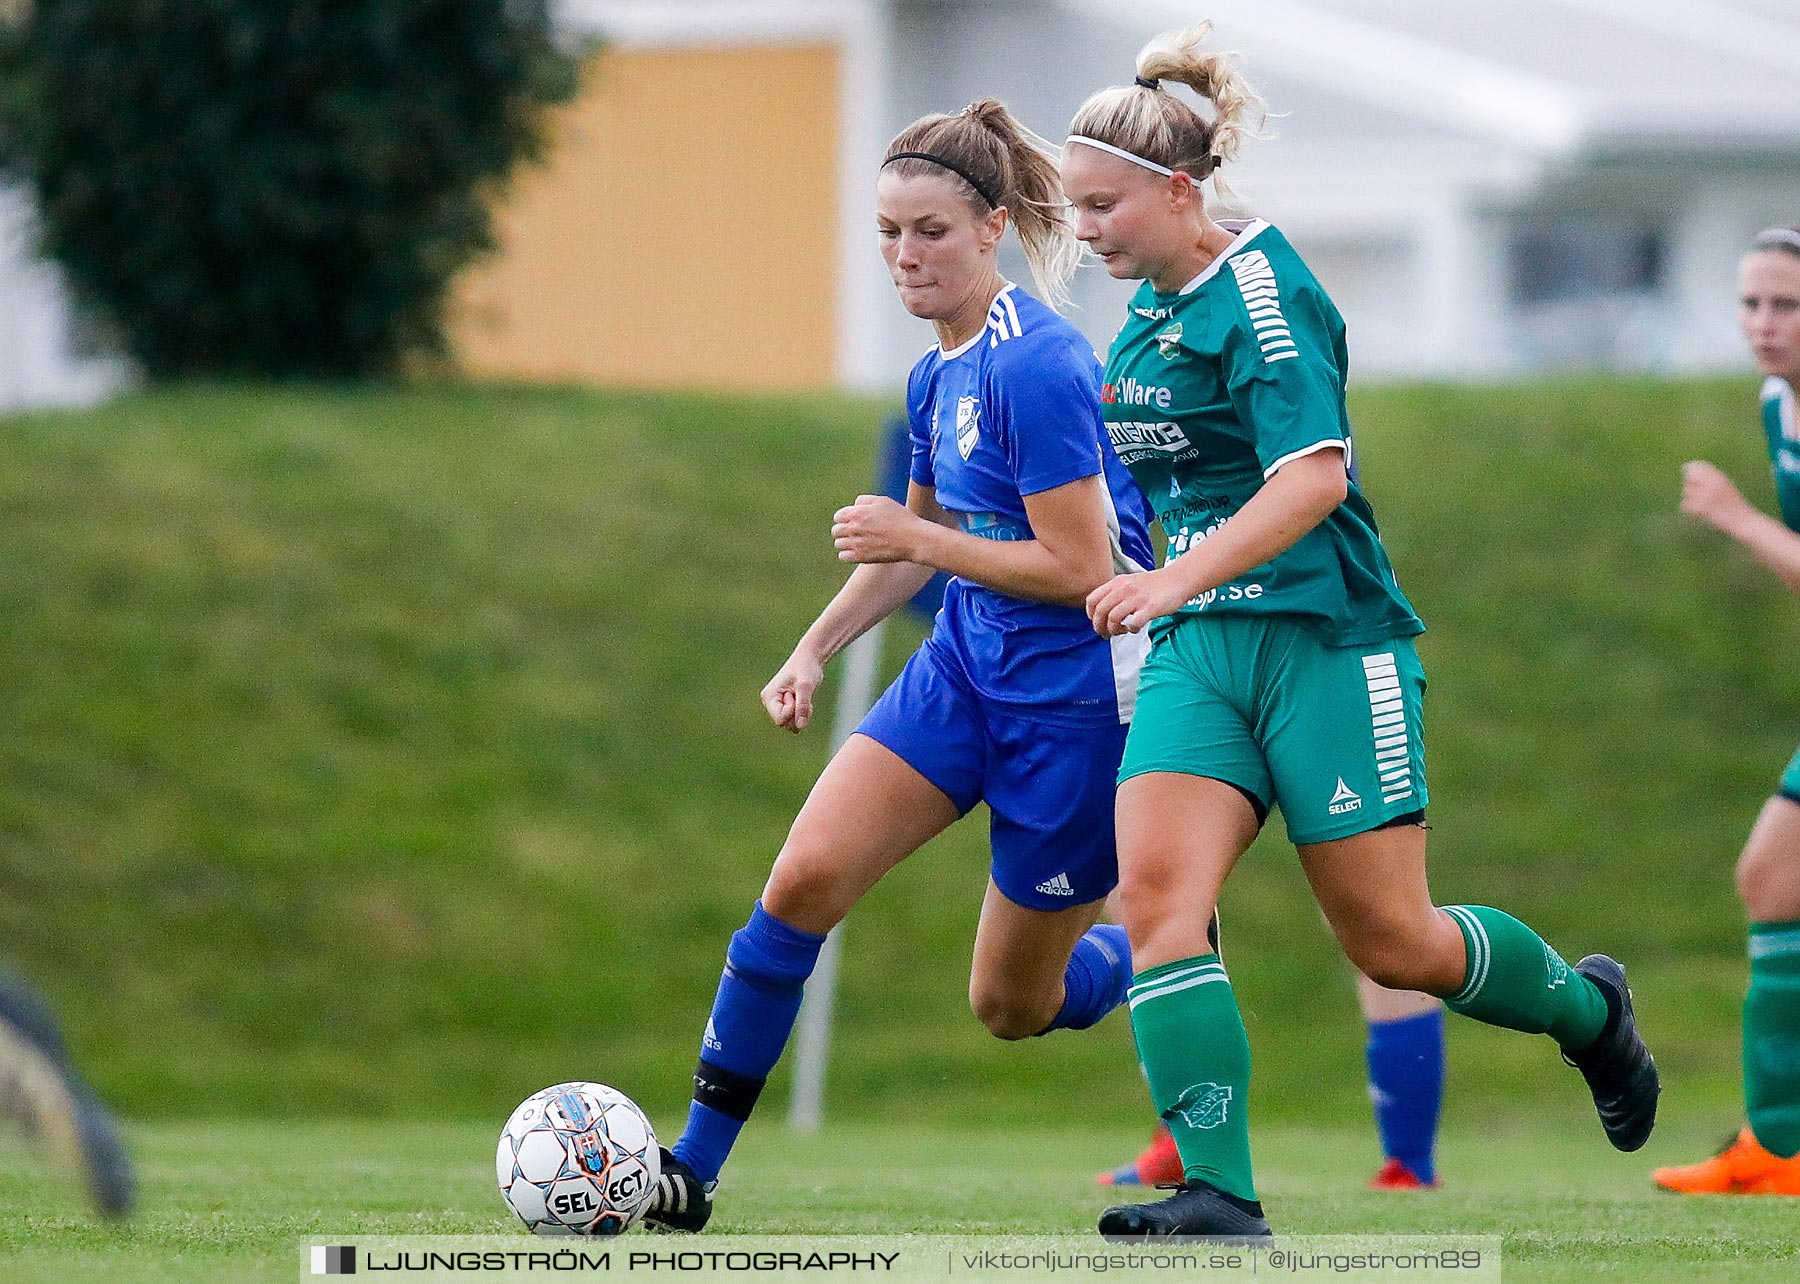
1098	975
766	967
1406	1083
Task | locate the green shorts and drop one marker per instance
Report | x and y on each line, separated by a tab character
1334	736
1790	780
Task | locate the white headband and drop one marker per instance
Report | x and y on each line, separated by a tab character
1774	236
1120	152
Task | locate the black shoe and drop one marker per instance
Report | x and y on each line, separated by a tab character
1194	1209
682	1201
48	1101
1617	1066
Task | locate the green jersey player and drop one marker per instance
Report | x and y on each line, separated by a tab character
1764	1159
1201	408
1282	672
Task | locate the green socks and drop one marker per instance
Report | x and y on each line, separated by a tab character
1772	1037
1517	981
1190	1039
1190	1034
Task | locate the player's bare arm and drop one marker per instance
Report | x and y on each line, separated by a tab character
1711	496
1300	495
1069	554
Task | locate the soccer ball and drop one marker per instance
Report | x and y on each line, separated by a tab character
577	1159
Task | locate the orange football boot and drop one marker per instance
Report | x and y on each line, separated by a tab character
1742	1168
1159	1164
1395	1175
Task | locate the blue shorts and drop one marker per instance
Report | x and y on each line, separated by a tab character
1049	787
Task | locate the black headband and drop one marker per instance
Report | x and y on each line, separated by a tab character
981	189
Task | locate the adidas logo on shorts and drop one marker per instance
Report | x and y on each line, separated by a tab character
1058	886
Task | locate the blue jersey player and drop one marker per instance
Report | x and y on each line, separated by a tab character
1013	699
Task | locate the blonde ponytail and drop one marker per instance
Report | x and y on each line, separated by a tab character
1001	162
1146	121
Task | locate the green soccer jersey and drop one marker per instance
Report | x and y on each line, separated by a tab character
1209	391
1784	446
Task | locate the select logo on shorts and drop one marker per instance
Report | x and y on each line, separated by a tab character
968	424
1344	800
335	1260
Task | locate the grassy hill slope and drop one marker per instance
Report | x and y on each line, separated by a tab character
399	750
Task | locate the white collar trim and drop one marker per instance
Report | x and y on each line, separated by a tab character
950	354
1246	232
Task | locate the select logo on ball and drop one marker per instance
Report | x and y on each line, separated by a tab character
577	1158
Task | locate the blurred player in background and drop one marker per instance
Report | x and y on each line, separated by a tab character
51	1106
1762	1159
1012	698
1283	671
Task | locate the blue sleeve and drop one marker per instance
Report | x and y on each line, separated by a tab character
918	428
1045	398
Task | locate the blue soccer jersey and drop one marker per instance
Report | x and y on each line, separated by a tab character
1015	411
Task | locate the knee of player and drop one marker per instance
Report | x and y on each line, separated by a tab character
1392	952
803	890
1765	882
1008	1015
1145	906
1748	876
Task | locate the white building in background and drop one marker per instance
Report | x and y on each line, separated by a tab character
1487	190
44	360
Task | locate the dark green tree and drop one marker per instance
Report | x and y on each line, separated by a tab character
273	187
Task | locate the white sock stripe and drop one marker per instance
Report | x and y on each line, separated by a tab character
1190	983
1480	953
1470	976
1177	975
1484	951
1765	945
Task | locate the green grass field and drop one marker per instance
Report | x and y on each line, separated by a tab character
388	754
399	745
233	1202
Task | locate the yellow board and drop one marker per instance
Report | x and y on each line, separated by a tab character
683	233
